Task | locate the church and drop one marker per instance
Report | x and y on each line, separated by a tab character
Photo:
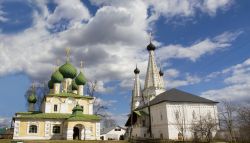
66	112
158	113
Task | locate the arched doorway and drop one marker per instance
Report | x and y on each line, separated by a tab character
79	132
76	133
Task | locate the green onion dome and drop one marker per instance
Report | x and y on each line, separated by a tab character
77	109
80	79
74	85
68	70
57	77
51	84
32	98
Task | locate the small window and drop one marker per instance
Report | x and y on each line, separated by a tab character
118	129
144	135
32	129
161	116
55	108
56	129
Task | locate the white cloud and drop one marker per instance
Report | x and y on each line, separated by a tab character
176	8
171	73
187	80
187	8
106	103
5	122
2	15
74	11
112	41
211	6
198	49
237	83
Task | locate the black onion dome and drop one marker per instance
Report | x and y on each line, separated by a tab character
151	47
136	71
161	73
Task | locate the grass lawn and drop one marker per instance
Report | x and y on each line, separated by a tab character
62	141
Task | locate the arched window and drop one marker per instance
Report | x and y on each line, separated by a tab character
55	108
32	129
56	129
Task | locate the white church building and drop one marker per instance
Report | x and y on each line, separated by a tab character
165	114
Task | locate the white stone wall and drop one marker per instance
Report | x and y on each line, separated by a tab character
159	120
114	134
97	131
188	113
163	120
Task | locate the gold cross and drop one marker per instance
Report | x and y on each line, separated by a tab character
67	53
81	64
33	86
150	37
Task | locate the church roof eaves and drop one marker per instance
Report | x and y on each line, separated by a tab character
69	117
176	95
64	94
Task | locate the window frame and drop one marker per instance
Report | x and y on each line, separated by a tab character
55	107
53	129
33	130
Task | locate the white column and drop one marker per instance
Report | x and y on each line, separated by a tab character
83	134
57	88
80	90
16	130
91	108
70	134
97	132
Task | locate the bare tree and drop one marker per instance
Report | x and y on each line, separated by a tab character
180	123
227	118
99	108
203	128
108	121
243	116
91	88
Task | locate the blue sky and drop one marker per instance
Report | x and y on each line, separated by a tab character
203	47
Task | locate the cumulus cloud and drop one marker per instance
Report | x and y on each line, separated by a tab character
195	51
237	83
112	41
73	11
173	82
186	8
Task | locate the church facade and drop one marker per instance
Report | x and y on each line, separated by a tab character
66	113
165	114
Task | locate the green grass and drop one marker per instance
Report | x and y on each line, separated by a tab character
62	141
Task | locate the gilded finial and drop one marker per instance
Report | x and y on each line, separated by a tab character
68	53
150	37
33	86
81	64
